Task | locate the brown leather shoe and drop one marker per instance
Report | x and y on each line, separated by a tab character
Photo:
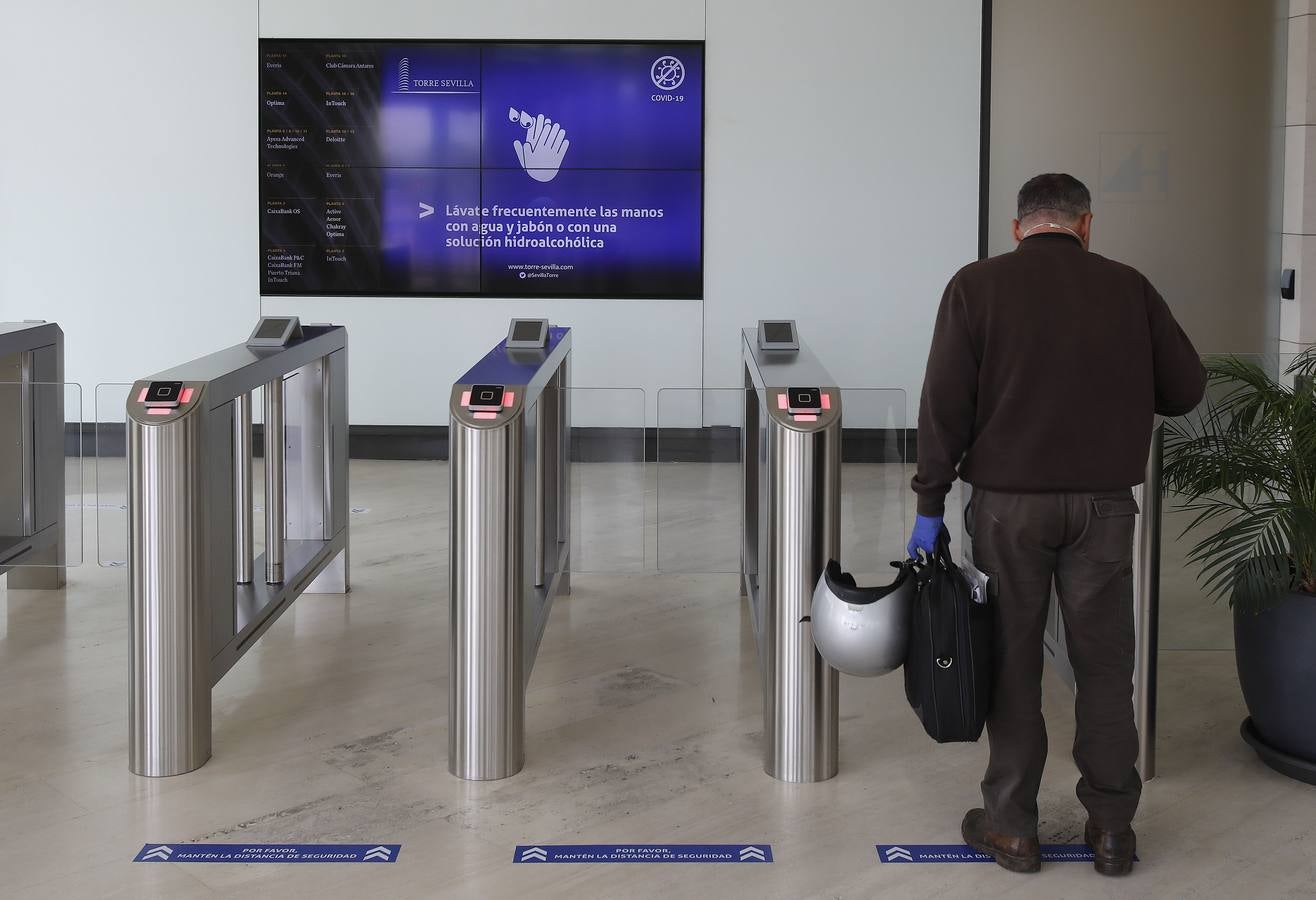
1114	849
1017	854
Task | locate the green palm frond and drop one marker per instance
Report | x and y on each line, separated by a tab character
1244	465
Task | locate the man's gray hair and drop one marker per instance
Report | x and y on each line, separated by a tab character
1059	196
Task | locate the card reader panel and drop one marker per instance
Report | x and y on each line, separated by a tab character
486	398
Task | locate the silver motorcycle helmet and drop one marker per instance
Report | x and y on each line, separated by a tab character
863	631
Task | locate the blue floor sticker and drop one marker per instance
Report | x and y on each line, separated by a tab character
643	853
963	853
269	853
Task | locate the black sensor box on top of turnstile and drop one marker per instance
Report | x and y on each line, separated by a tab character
778	334
527	334
275	331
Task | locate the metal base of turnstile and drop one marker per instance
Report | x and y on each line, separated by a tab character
40	571
333	578
801	692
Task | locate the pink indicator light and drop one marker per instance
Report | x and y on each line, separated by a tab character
484	415
141	398
157	411
508	398
186	396
466	398
806	418
782	402
827	400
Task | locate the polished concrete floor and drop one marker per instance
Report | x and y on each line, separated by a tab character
644	724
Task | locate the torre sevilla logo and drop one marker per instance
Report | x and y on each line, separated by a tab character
407	84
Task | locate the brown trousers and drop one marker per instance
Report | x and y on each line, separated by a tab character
1084	544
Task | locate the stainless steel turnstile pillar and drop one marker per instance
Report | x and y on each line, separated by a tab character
242	505
32	457
168	635
1147	604
509	548
1146	608
276	518
194	606
792	523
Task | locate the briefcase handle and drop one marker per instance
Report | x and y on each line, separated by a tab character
940	555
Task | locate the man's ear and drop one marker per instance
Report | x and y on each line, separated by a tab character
1018	231
1084	228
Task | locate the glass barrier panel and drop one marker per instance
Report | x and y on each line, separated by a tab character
41	478
109	451
700	506
609	493
875	473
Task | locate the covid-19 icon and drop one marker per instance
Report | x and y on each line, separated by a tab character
667	73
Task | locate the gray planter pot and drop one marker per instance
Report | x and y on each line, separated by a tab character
1276	655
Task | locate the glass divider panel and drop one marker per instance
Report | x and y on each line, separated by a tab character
609	493
875	488
700	506
109	452
43	435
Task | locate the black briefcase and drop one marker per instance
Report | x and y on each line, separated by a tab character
948	671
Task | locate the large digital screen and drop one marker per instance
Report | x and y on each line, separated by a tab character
507	169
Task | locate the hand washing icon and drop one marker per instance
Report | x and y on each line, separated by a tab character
545	145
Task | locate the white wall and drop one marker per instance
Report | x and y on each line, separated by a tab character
1298	316
841	188
842	177
1180	150
128	189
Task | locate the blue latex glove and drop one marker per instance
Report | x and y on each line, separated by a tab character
926	531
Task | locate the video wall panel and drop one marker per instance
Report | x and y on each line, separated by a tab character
503	169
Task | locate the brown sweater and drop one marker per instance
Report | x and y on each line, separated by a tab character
1048	365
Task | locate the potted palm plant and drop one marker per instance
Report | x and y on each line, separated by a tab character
1245	468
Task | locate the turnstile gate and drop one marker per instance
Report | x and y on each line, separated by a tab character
791	458
509	552
1146	607
32	458
198	600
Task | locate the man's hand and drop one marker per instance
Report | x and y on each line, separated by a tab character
926	531
545	145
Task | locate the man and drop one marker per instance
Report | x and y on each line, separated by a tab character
1047	368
